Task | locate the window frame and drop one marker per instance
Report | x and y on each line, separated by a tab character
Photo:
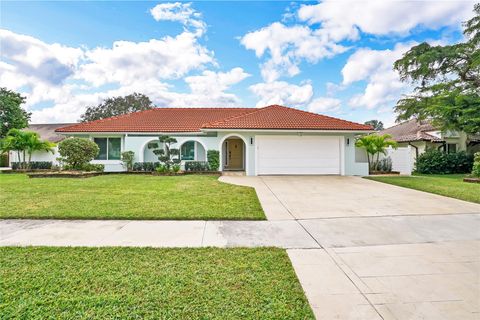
107	149
194	150
452	144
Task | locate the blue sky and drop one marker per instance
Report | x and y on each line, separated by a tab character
333	58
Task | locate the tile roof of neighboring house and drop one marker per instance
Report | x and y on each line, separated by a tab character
412	130
195	119
47	130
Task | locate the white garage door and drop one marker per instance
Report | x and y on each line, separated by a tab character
298	155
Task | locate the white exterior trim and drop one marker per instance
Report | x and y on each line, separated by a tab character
289	131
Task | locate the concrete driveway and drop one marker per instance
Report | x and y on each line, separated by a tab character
311	197
386	252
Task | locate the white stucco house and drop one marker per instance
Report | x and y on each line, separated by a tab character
257	141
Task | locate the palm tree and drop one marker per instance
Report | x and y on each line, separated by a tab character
16	140
34	143
375	145
24	142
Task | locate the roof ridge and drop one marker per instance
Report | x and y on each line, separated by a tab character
254	110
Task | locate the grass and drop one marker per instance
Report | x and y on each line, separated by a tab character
450	185
147	283
127	197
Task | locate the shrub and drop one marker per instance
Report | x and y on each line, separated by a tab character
4	160
145	166
476	165
77	152
438	162
385	165
196	166
176	168
127	159
33	165
161	168
213	157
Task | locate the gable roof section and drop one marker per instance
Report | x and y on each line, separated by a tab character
158	120
412	130
284	118
196	119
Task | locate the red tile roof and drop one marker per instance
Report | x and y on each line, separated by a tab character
283	118
158	120
195	119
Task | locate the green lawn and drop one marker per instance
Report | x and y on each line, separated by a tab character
450	185
126	197
147	283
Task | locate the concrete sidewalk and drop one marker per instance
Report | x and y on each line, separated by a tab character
284	234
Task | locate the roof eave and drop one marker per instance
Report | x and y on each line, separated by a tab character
291	130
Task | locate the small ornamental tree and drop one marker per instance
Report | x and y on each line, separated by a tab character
77	152
168	155
127	159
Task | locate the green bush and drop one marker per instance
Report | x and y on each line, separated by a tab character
161	168
196	166
438	162
127	159
77	152
213	157
145	166
4	160
476	165
33	165
385	165
176	168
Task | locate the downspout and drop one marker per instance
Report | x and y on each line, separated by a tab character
416	149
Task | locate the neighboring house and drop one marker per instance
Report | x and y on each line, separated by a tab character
258	141
46	132
421	136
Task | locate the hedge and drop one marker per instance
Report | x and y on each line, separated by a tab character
34	165
438	162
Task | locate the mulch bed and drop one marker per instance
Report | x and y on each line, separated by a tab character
472	180
384	173
63	174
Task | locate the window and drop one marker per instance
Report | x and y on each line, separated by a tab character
187	150
110	148
451	147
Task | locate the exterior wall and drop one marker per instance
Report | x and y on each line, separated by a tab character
38	156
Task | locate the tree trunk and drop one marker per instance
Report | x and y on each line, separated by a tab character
29	159
24	163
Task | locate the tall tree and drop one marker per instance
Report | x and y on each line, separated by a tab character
447	81
377	125
12	116
117	106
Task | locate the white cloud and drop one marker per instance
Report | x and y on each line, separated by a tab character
70	79
179	12
343	19
215	82
331	23
287	46
323	104
127	62
282	93
376	68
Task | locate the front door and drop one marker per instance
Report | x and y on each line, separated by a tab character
234	154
